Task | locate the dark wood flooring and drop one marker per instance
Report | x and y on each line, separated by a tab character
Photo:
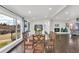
64	44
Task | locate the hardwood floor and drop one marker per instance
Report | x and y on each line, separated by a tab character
66	45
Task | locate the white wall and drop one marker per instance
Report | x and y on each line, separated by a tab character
69	14
60	22
45	23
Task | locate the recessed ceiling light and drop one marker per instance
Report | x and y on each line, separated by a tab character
66	13
45	16
50	8
33	18
68	18
29	12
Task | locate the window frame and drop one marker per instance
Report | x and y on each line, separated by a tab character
15	42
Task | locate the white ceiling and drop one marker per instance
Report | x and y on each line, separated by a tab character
40	11
37	11
69	13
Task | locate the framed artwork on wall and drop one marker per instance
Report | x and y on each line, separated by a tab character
77	19
38	27
56	25
57	29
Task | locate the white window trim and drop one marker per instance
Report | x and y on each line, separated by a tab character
17	41
10	46
14	43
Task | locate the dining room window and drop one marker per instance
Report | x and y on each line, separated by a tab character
7	30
